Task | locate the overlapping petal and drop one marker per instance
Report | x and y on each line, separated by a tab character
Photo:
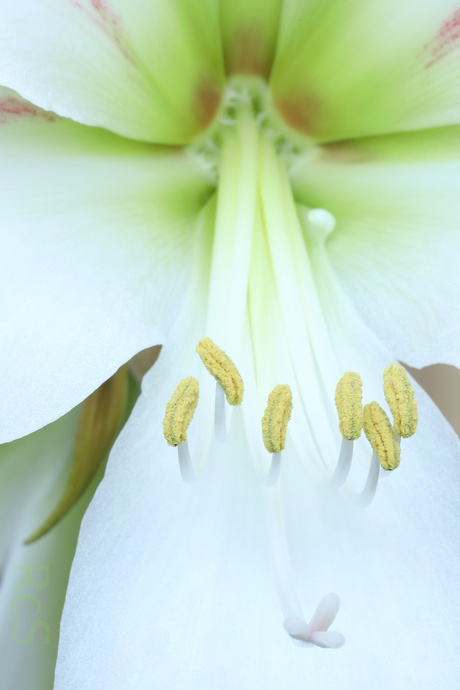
132	67
396	244
347	69
33	471
112	222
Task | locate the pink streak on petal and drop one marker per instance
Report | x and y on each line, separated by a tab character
10	107
445	41
99	12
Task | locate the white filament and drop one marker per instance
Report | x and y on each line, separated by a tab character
366	496
342	469
220	427
185	463
273	473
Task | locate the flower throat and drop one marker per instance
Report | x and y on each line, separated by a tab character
250	95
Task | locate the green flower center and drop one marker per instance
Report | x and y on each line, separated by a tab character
252	95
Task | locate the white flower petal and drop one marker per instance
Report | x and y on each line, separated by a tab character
177	593
96	242
397	240
173	551
183	582
347	69
147	70
33	471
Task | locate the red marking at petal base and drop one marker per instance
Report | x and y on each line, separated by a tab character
301	112
206	103
345	153
247	54
14	106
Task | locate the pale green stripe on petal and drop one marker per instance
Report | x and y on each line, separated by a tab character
397	240
95	241
33	471
346	69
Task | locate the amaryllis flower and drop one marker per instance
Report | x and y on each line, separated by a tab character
282	178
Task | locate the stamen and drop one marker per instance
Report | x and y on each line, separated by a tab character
180	410
219	364
399	395
381	436
274	426
348	401
276	418
178	415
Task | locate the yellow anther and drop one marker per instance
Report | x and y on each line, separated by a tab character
180	410
399	395
348	401
222	368
276	418
381	436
